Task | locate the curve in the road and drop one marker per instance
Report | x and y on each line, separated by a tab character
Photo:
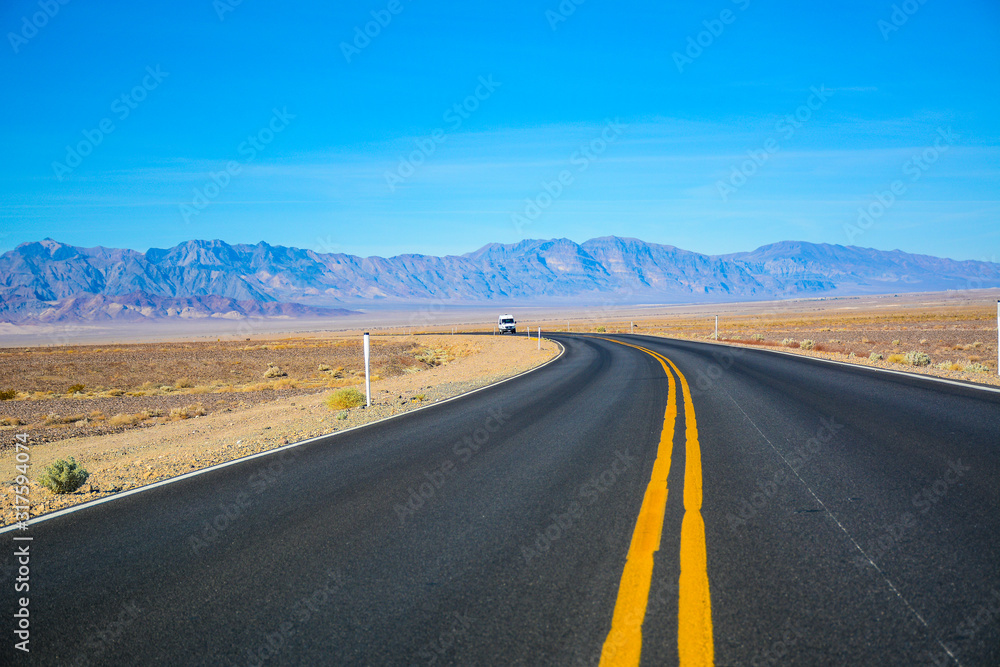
695	643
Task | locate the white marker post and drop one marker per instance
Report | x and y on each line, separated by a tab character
631	325
368	372
716	327
539	338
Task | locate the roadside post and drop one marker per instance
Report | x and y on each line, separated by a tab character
368	372
539	338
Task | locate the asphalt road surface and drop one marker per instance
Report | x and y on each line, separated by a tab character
716	505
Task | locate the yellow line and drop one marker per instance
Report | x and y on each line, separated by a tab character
624	643
694	614
695	644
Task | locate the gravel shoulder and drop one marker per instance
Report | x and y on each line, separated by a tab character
122	461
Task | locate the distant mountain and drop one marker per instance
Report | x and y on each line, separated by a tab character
50	281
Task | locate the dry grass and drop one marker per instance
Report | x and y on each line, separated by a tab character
345	398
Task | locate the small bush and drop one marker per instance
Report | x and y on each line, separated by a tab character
420	397
349	397
323	368
7	394
274	372
896	343
944	366
76	388
915	358
116	392
875	356
53	419
63	476
757	337
976	368
186	412
807	344
601	330
183	383
10	421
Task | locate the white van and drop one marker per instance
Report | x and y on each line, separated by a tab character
506	324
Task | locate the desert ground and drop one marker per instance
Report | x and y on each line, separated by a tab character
136	414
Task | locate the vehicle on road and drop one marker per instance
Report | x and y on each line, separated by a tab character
506	324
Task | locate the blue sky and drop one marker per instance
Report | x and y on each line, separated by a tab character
713	126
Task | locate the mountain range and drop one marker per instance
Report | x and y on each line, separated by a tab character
48	281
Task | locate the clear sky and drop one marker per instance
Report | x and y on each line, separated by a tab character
713	126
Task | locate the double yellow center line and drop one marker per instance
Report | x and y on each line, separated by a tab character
694	628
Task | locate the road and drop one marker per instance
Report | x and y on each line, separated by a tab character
845	516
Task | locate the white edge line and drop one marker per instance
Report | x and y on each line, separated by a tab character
919	376
269	452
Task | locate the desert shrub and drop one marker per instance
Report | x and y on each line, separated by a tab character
10	421
322	368
896	359
976	345
601	330
274	372
807	344
76	388
896	343
915	358
183	383
7	394
63	476
420	397
348	397
122	419
875	356
53	419
976	368
186	412
923	341
116	392
944	365
757	337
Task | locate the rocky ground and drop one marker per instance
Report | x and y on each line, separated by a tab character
162	447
